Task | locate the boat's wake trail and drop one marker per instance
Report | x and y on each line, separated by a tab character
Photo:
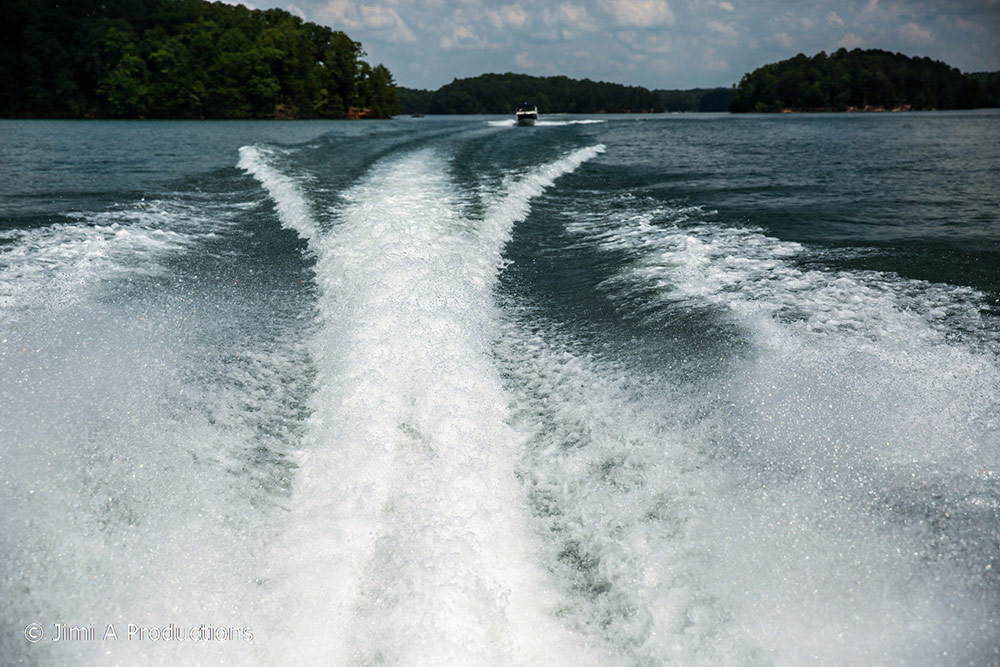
406	536
510	122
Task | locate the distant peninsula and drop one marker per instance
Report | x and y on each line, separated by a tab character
180	59
862	80
501	93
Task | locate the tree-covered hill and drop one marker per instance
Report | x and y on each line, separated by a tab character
989	88
180	59
858	80
696	99
501	93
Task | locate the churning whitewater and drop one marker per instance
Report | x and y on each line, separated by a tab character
616	391
406	496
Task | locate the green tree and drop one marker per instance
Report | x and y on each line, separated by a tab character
178	59
855	79
124	83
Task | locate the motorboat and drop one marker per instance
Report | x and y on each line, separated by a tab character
526	114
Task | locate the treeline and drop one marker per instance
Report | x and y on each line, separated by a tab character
695	99
501	93
989	88
180	59
859	80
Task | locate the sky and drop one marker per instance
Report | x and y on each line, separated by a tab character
653	43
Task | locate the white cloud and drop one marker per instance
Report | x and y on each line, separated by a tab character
387	21
784	39
460	37
524	60
639	13
728	29
383	21
796	22
635	36
339	14
913	32
508	15
564	22
471	28
569	19
574	15
645	42
851	41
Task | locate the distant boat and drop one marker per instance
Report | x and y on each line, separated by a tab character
526	114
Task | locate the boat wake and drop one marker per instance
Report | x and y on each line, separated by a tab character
406	500
437	393
510	122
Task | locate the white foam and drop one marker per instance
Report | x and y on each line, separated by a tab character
293	208
61	262
136	497
407	530
117	415
688	263
862	411
764	518
510	122
580	121
625	499
892	340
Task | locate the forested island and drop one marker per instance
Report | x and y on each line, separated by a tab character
862	80
501	93
180	59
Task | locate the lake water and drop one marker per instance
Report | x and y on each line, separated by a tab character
612	390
